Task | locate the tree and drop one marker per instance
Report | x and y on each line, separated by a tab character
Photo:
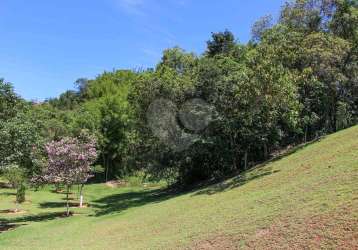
345	19
308	15
69	163
220	43
177	59
19	143
110	119
67	101
81	85
16	177
9	101
260	26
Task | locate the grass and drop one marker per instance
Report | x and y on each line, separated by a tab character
306	199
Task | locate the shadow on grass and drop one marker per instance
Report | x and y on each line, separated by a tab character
4	185
8	227
258	171
12	223
59	204
234	182
7	193
119	202
290	151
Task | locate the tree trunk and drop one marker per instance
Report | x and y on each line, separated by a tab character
106	168
20	195
305	139
334	117
265	152
233	150
67	202
245	160
81	195
16	206
57	187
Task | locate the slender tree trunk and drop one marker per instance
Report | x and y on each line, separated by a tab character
305	139
67	202
81	195
265	151
334	117
245	160
233	150
16	206
106	168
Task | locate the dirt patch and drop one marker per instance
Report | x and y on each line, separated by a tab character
116	183
338	230
12	211
217	242
262	232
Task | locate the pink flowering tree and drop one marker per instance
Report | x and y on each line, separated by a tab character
69	163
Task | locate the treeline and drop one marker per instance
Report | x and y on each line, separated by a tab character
296	79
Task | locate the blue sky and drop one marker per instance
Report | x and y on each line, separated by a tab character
46	45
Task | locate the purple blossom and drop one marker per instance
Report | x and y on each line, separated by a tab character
69	160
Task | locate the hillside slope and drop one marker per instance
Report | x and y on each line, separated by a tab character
307	199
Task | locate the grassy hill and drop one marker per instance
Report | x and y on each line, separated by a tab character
306	199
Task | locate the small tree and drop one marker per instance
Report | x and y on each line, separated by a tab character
17	177
69	162
19	140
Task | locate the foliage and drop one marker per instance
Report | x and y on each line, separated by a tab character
221	43
69	160
9	101
260	26
20	141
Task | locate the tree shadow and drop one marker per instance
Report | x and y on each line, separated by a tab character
234	182
8	227
5	185
12	223
258	171
120	202
290	151
8	193
59	204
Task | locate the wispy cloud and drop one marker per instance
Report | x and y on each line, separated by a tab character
134	7
154	19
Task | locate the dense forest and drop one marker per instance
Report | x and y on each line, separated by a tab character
294	81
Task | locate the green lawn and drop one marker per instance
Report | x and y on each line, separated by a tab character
308	198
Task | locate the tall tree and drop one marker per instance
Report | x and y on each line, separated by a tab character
9	101
220	43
